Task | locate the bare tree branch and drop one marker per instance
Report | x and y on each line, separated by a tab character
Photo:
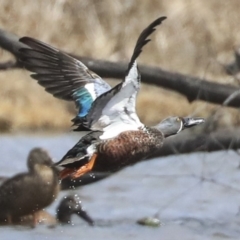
191	87
69	183
10	43
92	177
204	142
9	65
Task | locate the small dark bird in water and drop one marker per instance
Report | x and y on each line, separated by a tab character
27	193
68	206
72	205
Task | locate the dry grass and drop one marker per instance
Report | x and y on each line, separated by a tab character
197	38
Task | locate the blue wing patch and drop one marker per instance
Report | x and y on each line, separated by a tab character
83	100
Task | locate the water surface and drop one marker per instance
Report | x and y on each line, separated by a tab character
196	196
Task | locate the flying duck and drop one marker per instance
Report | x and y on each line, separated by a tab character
121	138
94	154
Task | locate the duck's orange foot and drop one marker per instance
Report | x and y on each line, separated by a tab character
85	168
79	172
66	172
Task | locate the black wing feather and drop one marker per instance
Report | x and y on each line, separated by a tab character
52	66
142	40
77	155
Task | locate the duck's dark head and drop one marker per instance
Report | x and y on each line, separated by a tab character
173	125
71	205
38	157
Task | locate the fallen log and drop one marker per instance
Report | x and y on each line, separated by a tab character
224	139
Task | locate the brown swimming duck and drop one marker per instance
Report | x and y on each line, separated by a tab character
27	193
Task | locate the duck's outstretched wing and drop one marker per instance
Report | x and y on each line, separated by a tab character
100	107
62	75
114	111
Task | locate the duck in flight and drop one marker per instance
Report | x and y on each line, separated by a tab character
110	155
118	137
